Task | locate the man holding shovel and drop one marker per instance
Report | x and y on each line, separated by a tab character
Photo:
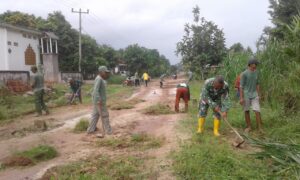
215	94
75	86
250	93
99	102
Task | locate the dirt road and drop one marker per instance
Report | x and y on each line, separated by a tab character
73	147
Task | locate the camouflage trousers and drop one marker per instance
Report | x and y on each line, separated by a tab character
96	114
204	106
39	101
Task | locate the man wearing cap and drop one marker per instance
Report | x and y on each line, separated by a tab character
215	94
38	89
99	102
250	93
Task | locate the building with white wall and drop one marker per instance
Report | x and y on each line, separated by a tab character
20	48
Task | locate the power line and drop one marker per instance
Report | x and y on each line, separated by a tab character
80	55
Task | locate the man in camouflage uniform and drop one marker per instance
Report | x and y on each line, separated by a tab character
75	86
215	94
99	102
38	89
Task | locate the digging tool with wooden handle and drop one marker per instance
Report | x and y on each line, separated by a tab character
236	132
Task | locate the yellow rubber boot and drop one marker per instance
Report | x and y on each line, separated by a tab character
216	127
201	122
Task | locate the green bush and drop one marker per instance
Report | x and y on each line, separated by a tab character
116	79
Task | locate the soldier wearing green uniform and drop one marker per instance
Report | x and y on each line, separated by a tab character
75	86
38	89
99	104
215	94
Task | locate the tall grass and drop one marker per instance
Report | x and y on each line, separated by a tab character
279	70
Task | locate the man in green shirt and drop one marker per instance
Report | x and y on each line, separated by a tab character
38	89
99	102
250	93
215	94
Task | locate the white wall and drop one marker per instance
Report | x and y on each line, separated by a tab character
3	49
16	59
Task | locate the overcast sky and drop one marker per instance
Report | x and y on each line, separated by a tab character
155	24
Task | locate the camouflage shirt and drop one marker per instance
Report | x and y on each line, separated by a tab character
214	97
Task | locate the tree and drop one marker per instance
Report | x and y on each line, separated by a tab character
282	12
237	47
142	59
19	19
203	44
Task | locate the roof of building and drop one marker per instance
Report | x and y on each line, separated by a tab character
20	29
51	35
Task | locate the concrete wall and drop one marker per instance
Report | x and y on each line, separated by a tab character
3	49
16	59
51	70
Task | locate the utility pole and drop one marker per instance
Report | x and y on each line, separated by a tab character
80	55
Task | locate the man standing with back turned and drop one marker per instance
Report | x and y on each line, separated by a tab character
38	89
146	78
99	102
250	93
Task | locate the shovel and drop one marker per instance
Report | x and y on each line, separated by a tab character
242	140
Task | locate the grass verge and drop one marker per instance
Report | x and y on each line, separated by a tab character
117	104
136	141
158	109
207	157
81	126
15	105
104	168
31	156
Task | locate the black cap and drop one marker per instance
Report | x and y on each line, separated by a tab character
253	61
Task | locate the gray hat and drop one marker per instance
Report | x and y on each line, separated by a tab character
253	61
103	69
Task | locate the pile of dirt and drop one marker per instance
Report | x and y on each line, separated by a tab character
16	161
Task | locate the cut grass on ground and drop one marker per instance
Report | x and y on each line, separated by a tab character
136	141
104	168
117	104
31	156
158	109
204	156
81	126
